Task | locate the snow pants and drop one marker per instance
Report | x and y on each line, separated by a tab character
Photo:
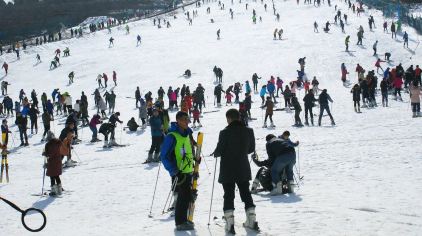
156	144
184	197
245	195
416	107
285	161
323	107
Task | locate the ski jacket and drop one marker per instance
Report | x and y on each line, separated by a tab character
46	118
276	147
54	151
50	107
133	126
324	98
247	88
270	88
235	142
270	107
279	83
172	150
356	93
263	91
296	104
95	120
309	100
196	114
143	110
398	82
156	126
415	94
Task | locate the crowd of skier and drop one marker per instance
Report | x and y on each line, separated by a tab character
173	143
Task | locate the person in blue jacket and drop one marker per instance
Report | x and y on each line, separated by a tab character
271	90
156	124
262	93
247	87
178	159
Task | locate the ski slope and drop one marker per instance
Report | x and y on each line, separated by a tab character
361	177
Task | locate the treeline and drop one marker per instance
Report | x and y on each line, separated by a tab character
28	18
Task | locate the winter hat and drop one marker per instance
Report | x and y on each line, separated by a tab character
286	133
269	137
117	113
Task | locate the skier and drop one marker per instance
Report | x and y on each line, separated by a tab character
66	52
415	99
316	27
95	120
38	58
33	117
195	114
346	42
384	25
177	157
384	92
344	73
323	105
393	30
374	47
99	80
114	78
218	34
54	150
67	137
143	115
287	94
137	96
187	73
405	40
271	89
111	40
378	64
309	102
5	67
235	168
327	27
22	122
138	38
71	76
132	125
255	82
156	125
113	121
217	93
269	105
356	97
4	85
281	158
262	93
298	109
105	77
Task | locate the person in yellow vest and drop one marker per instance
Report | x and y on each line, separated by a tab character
178	159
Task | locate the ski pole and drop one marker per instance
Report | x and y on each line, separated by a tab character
173	186
298	160
212	192
43	177
155	188
79	159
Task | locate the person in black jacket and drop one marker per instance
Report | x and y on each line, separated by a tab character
309	102
356	97
281	157
33	116
235	142
217	93
384	92
22	123
298	109
323	105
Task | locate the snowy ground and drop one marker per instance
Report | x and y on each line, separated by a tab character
361	177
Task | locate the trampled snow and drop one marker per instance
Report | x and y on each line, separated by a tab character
361	177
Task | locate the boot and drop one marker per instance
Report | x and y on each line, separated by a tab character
105	144
184	227
229	216
291	186
156	157
265	125
112	142
255	185
251	219
53	191
272	124
149	159
278	188
59	189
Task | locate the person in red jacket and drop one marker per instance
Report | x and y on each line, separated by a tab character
378	64
359	70
57	52
397	83
343	72
105	79
196	114
5	66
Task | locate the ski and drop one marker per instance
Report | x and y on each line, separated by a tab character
4	167
195	175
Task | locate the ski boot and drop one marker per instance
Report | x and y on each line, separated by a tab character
113	143
333	123
156	157
251	219
149	159
59	189
54	191
199	125
255	185
290	186
278	189
105	144
272	125
229	217
265	125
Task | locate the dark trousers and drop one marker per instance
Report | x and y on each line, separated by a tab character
356	104
270	116
156	144
245	195
34	124
416	107
46	129
184	197
308	109
323	107
22	134
55	180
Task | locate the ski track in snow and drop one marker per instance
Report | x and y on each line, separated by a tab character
361	177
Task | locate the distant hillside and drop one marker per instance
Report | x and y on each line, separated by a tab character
25	18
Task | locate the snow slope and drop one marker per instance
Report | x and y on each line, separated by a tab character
361	177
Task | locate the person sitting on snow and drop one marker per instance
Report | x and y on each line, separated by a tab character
187	73
281	158
132	125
